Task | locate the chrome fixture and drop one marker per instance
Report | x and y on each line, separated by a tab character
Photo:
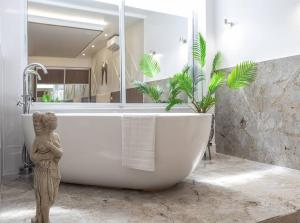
29	70
228	23
182	40
152	52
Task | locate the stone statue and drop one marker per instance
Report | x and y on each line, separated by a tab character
45	153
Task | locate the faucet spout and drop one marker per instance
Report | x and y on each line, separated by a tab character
30	69
33	72
36	65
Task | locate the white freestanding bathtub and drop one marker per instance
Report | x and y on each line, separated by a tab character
92	149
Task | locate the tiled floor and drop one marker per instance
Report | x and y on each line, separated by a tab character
223	190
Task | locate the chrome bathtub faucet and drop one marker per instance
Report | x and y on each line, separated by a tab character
28	71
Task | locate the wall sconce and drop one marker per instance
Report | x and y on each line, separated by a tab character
182	40
152	52
228	23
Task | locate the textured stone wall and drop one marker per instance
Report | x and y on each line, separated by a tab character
262	122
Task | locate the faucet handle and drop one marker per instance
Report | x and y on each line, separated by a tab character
20	103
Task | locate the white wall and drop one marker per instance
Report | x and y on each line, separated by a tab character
264	29
162	33
62	62
14	59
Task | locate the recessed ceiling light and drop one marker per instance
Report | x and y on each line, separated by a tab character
105	34
93	46
83	54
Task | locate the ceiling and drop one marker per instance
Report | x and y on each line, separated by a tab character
58	41
72	28
80	28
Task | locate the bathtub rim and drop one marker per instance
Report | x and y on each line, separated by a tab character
100	107
118	114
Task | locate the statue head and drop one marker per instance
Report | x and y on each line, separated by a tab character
44	122
50	121
37	119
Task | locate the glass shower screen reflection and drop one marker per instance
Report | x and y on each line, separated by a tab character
159	29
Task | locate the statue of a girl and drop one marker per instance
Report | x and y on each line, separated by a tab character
45	153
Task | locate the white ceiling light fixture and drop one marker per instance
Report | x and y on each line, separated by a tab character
93	46
83	54
40	16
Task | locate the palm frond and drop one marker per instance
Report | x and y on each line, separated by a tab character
206	104
186	68
174	89
153	91
149	66
216	63
173	102
180	83
217	80
242	75
141	87
185	83
199	50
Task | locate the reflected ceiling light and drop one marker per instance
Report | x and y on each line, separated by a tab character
83	54
105	34
93	46
69	18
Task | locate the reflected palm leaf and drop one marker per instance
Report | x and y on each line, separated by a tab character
149	66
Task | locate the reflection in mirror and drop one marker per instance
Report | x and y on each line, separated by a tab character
78	42
160	29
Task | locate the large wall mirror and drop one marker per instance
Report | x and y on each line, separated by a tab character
80	42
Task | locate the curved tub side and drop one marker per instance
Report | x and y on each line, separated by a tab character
92	150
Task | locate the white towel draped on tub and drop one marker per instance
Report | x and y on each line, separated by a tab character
138	141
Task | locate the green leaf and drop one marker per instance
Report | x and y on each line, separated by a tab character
216	63
206	103
46	97
242	75
185	83
153	91
199	50
172	103
149	66
186	69
217	80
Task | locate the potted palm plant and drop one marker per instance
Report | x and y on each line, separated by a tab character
185	82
